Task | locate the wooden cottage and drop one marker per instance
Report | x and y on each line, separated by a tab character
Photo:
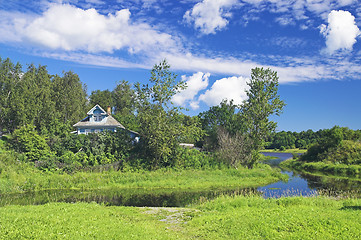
97	121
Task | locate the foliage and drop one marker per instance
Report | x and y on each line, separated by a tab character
263	101
69	95
195	159
35	97
159	121
335	147
305	139
224	116
10	76
26	140
103	98
124	98
124	105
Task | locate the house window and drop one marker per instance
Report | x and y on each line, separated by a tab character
97	118
82	130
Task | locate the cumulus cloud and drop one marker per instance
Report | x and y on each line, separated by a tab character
341	32
195	83
69	28
232	88
210	16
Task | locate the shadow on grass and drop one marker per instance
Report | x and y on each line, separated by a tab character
351	208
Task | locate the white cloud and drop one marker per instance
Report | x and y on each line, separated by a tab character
341	32
210	16
195	83
232	88
66	27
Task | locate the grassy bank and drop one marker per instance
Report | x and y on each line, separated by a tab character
325	168
295	150
223	218
182	179
18	176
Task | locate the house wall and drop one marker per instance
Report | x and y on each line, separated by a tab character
95	130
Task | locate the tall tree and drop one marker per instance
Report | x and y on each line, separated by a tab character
263	101
160	122
10	77
123	98
69	95
124	105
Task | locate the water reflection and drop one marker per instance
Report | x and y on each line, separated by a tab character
305	184
128	197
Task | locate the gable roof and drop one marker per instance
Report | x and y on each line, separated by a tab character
94	108
109	120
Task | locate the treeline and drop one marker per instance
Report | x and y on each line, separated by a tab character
336	151
38	110
38	98
289	140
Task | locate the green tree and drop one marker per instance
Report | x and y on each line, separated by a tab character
123	98
10	77
160	126
263	101
124	105
225	116
69	95
103	98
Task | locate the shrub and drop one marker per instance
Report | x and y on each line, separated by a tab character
195	159
26	140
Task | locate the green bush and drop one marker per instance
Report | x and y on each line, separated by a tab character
195	159
26	140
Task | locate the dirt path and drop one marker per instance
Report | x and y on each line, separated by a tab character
173	217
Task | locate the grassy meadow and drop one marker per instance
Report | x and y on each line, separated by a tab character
227	217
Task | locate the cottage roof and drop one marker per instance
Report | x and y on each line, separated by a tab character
97	107
109	120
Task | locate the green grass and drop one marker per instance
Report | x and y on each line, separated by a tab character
295	150
18	176
171	179
79	221
325	168
286	218
237	217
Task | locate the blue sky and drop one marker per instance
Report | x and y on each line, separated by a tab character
314	46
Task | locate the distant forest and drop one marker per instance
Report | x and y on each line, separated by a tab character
289	140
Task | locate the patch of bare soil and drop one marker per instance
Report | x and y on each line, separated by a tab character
173	217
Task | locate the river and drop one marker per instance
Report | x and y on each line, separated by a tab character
303	184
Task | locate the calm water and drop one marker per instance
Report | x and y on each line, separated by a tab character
306	184
116	197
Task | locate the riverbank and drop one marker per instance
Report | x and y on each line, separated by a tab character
295	150
325	168
21	177
227	217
